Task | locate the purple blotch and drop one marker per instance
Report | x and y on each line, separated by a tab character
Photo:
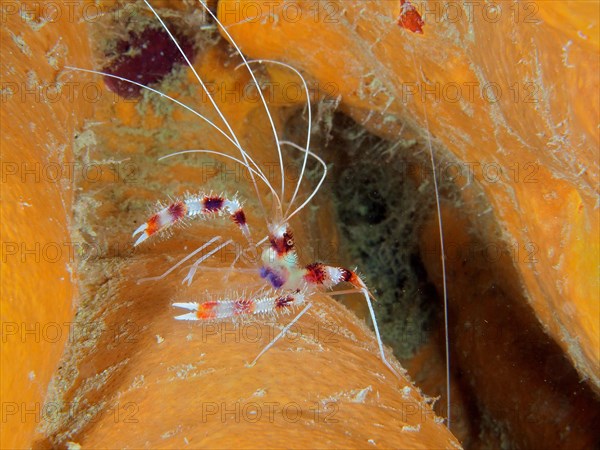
146	58
272	277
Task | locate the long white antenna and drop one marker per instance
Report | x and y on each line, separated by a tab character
232	158
309	128
442	252
316	189
262	97
207	92
162	94
247	157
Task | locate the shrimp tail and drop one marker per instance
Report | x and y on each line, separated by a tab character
242	306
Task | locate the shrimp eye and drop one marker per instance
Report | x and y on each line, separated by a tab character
290	242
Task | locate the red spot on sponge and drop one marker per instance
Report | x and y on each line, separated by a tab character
145	58
410	17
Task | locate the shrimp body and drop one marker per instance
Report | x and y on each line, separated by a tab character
291	283
288	284
281	269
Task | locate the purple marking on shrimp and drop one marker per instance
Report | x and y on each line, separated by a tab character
272	277
212	204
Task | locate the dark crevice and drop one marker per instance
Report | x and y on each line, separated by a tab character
509	378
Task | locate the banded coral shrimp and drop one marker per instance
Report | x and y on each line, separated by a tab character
142	270
232	204
290	283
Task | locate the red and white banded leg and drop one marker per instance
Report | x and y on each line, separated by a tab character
245	306
224	309
193	206
318	274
